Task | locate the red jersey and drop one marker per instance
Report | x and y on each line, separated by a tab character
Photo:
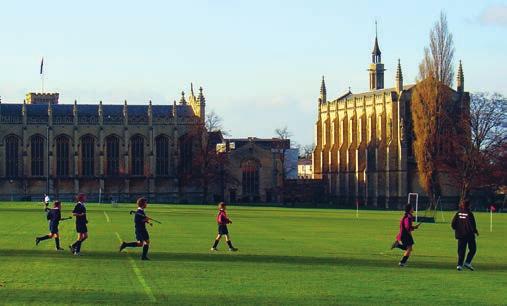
222	218
406	225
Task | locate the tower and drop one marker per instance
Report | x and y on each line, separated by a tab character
460	79
182	99
201	105
323	92
376	69
198	103
399	78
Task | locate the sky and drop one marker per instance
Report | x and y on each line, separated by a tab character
260	62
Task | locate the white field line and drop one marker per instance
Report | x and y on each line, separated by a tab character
139	275
107	217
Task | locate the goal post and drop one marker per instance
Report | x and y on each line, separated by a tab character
413	198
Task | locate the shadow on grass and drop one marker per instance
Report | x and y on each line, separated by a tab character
345	260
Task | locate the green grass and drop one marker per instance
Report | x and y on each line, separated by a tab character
287	256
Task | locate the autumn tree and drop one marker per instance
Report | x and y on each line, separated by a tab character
431	103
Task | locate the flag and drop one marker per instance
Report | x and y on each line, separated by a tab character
41	65
493	208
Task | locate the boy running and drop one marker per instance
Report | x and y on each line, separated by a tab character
54	216
404	239
465	229
82	230
142	236
222	221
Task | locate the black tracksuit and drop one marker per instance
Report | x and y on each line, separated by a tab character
465	230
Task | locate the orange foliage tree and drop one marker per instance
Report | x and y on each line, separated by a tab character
431	106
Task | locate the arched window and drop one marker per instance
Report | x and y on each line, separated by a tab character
137	155
37	155
162	155
88	155
186	154
62	155
11	156
250	180
112	155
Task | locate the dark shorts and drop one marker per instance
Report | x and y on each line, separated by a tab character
53	228
142	235
81	228
407	240
222	229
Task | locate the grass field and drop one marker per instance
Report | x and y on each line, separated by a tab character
286	256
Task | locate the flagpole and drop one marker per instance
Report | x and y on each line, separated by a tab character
42	74
490	220
357	208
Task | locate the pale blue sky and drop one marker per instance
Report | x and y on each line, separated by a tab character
260	62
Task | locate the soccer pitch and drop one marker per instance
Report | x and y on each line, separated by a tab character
286	256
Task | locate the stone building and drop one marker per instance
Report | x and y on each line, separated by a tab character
254	169
117	151
364	140
305	171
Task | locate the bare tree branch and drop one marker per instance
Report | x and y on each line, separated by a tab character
438	60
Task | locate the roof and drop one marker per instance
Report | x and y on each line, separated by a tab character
350	95
36	110
92	110
267	143
304	161
10	110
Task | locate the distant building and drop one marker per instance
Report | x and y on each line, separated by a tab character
364	140
118	151
254	168
305	167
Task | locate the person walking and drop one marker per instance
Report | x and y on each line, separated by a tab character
465	229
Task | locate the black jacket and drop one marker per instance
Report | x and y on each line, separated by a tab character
464	225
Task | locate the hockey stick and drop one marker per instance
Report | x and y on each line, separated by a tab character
134	212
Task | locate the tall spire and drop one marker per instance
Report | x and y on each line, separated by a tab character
399	78
376	54
323	91
376	69
460	79
201	98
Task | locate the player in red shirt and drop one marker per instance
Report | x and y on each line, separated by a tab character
404	239
222	221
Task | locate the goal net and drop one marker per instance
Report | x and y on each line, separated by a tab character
424	212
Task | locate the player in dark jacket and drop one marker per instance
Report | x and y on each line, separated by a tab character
142	235
465	230
222	221
404	239
54	216
81	224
